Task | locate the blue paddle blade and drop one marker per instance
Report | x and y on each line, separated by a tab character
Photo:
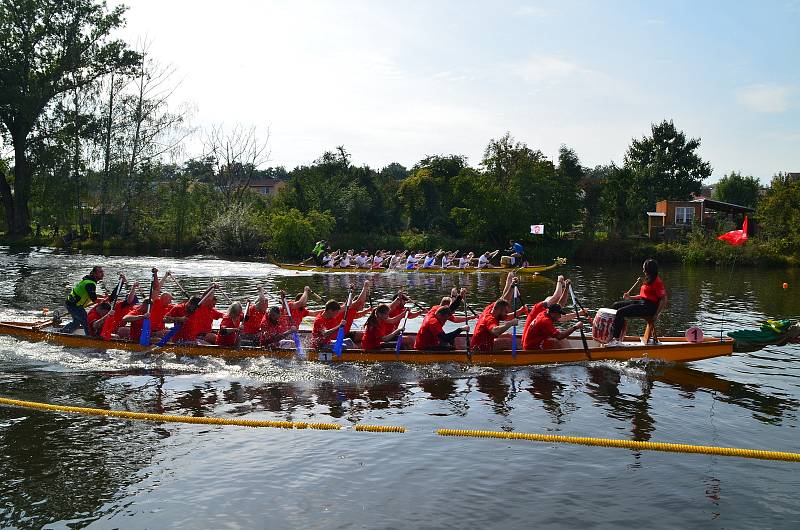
514	341
176	328
144	337
399	344
337	347
298	345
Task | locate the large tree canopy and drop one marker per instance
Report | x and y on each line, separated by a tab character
48	48
736	189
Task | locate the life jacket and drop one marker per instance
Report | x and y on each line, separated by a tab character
79	295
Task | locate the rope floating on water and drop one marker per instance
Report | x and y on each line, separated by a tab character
146	416
628	444
380	428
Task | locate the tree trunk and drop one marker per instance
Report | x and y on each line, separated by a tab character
20	216
106	166
8	201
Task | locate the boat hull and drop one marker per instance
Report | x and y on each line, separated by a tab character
672	349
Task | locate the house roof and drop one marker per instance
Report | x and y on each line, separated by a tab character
265	183
720	206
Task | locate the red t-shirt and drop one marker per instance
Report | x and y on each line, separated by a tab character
653	291
272	329
91	318
187	331
428	334
252	323
205	317
527	329
298	313
157	313
395	311
432	311
371	340
229	338
318	340
483	338
541	329
351	316
136	325
120	310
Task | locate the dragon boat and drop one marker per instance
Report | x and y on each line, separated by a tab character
670	349
557	262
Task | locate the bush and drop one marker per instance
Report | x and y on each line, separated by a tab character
292	234
235	232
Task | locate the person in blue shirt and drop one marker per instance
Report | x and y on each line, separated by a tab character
517	253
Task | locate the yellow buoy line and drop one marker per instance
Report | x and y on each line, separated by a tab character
548	438
627	444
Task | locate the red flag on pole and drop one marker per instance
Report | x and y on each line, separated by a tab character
736	237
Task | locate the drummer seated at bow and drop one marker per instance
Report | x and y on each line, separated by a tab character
431	334
648	303
542	333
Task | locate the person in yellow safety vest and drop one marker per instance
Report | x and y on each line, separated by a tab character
82	295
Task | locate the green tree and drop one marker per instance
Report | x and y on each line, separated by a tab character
49	48
291	233
664	165
779	213
736	189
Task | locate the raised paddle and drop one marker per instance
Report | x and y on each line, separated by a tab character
175	280
110	320
144	337
337	347
576	305
515	298
399	345
466	322
295	336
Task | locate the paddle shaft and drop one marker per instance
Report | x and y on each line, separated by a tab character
628	292
297	344
578	306
337	347
515	298
399	345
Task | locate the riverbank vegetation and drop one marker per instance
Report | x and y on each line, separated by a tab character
92	157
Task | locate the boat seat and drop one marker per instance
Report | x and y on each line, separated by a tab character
650	328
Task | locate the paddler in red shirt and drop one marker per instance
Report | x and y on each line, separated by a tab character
381	330
251	323
543	335
228	334
155	311
488	326
326	325
431	335
445	302
185	315
559	296
651	299
275	328
122	308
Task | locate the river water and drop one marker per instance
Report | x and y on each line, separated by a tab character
62	471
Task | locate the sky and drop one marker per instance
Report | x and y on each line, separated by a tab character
396	81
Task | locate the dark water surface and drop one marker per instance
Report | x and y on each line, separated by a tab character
60	471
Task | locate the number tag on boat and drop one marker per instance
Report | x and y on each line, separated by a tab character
324	356
694	334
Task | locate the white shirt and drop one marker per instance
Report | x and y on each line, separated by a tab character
376	261
361	261
462	262
445	262
411	261
483	261
345	261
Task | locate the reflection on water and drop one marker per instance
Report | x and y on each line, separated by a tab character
68	470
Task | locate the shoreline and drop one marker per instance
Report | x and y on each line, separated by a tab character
705	251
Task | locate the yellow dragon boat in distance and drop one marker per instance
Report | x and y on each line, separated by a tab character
671	349
429	270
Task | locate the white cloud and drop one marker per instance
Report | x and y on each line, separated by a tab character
540	69
765	98
532	11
